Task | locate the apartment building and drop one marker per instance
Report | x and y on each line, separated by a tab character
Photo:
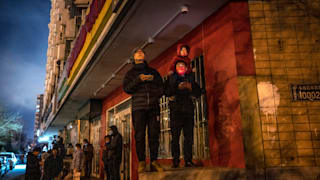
257	63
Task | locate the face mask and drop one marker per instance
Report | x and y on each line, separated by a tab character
110	133
181	70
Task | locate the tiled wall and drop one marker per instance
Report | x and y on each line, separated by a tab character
286	46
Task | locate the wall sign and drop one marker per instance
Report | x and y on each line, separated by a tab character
305	92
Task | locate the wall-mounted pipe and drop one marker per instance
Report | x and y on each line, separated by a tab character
183	10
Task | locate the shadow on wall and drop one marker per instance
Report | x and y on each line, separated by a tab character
223	110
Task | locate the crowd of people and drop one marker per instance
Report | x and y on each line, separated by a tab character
42	165
146	87
46	165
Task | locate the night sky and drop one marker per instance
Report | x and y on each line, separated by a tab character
23	46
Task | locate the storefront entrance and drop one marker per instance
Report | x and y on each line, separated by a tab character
95	126
120	116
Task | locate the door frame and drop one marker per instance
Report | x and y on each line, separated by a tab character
126	111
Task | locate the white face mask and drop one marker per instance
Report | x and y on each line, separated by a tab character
110	132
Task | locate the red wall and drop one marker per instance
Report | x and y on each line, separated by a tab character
224	40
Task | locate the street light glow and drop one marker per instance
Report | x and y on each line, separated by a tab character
43	139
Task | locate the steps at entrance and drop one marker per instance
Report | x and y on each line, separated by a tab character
195	174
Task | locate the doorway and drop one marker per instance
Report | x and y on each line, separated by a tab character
95	126
120	116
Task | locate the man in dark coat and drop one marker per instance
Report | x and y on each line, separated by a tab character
61	152
106	156
52	166
33	165
180	87
146	87
115	153
88	154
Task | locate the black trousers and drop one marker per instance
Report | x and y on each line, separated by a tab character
143	119
107	169
114	169
88	166
179	122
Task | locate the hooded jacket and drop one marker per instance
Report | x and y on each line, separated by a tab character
178	57
145	94
182	101
115	147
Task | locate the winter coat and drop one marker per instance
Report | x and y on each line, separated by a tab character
115	148
78	160
145	94
182	99
52	167
61	149
106	154
178	57
33	167
88	152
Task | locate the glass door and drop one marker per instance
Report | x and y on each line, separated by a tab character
123	120
95	140
120	116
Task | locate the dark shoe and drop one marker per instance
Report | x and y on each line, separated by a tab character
189	164
176	163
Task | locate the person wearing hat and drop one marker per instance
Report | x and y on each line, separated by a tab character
183	51
146	87
181	88
33	171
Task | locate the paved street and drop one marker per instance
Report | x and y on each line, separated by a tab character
16	174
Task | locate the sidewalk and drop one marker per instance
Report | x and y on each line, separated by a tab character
198	173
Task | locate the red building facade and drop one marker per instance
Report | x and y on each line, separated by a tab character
225	43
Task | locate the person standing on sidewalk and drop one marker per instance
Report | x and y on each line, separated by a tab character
88	154
146	87
52	166
33	165
115	153
106	156
77	162
44	156
181	88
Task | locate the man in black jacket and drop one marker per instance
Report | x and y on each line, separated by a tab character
52	166
33	165
88	155
106	156
115	153
146	87
180	87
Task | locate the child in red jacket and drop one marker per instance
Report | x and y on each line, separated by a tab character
183	51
